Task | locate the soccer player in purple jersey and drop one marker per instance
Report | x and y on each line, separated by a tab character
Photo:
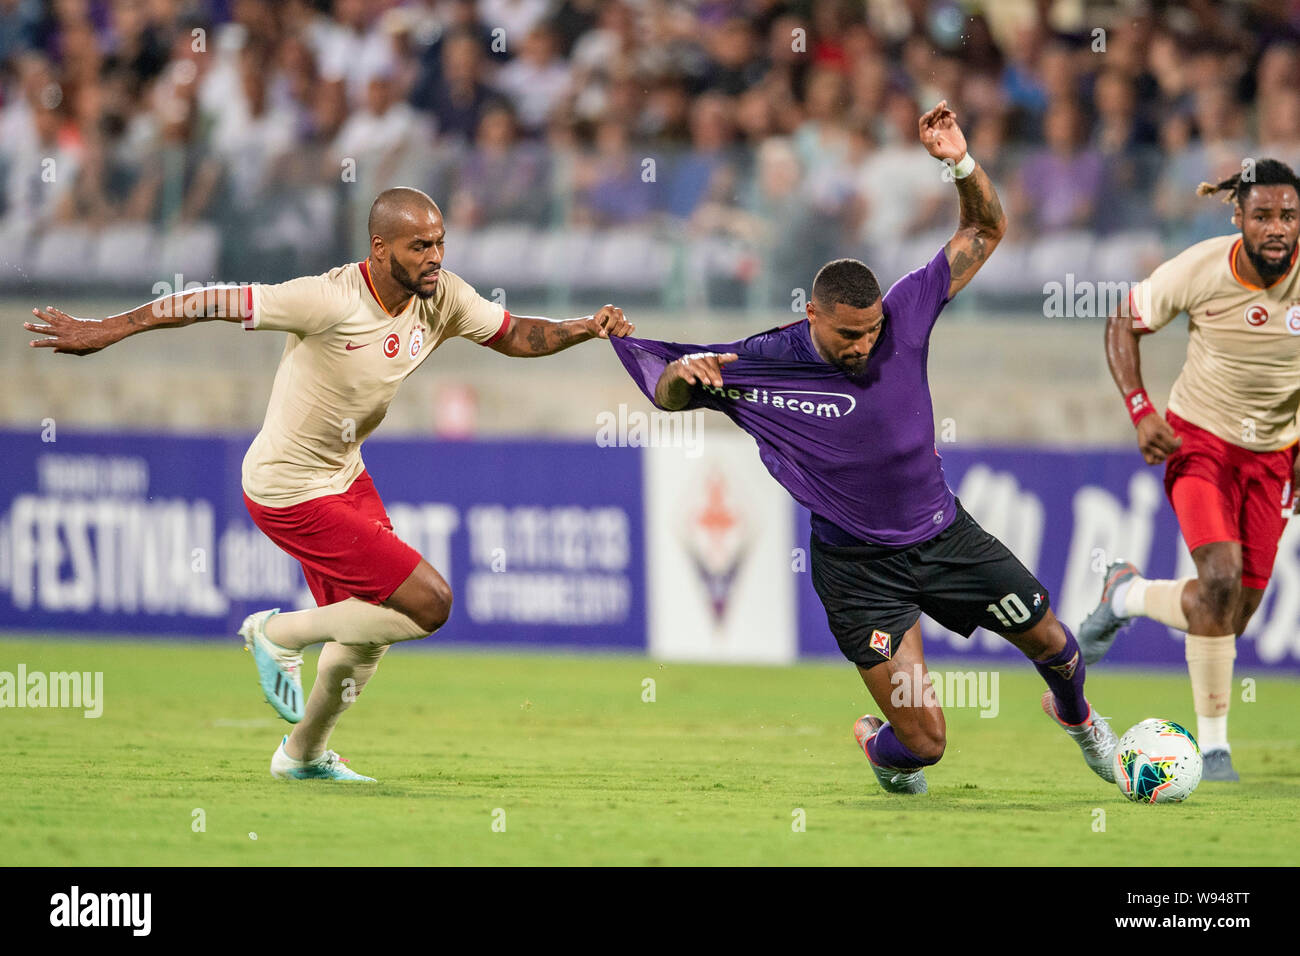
840	408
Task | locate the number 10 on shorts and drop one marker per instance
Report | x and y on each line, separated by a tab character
1011	611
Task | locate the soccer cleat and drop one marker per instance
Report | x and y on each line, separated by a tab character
328	766
1098	630
1094	737
279	670
893	781
1217	766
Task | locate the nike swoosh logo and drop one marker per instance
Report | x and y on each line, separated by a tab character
350	347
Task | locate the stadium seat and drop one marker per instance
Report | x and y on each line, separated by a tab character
632	260
15	245
61	253
565	258
1127	256
507	256
1050	258
126	254
1004	273
193	251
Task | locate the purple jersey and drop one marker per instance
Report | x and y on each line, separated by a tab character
858	453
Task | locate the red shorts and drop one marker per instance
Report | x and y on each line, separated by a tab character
345	543
1223	492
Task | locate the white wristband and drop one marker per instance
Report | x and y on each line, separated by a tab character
964	168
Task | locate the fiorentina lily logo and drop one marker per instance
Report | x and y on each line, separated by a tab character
717	540
1067	669
881	644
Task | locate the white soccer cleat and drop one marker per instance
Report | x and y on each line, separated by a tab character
1094	736
328	766
891	780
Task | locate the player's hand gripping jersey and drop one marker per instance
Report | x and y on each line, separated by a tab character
858	452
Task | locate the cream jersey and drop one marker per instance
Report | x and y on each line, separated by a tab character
1241	380
344	358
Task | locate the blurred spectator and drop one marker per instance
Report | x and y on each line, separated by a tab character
458	96
19	23
759	134
500	180
516	18
693	172
609	189
904	193
377	136
1279	126
537	80
733	64
1059	185
248	140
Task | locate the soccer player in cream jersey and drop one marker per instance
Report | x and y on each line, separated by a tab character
354	334
1228	437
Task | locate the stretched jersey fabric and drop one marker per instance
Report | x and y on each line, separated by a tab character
858	452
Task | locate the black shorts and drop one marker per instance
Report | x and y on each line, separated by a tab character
963	577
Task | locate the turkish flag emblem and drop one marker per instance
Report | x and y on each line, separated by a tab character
392	345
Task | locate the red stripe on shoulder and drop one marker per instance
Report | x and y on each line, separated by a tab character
505	326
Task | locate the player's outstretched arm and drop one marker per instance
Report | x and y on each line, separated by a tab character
77	336
982	223
530	336
1155	437
673	390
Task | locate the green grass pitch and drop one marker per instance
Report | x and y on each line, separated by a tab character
719	769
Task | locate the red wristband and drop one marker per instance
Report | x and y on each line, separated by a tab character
1138	404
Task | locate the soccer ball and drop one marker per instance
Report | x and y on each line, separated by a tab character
1157	761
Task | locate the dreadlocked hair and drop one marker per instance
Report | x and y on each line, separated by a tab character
1267	172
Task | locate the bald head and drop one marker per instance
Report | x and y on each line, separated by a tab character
406	240
400	210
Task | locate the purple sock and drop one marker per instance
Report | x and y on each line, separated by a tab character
1064	675
886	750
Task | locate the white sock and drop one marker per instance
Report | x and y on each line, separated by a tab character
292	760
1212	733
1117	596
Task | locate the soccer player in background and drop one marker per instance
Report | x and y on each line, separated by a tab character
354	334
840	408
1228	438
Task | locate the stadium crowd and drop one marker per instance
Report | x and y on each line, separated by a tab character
718	148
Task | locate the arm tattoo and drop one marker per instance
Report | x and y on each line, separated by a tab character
981	225
544	337
537	339
980	206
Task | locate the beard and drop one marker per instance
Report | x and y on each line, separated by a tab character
854	370
408	281
1270	272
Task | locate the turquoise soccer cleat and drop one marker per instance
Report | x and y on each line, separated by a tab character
328	766
279	670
